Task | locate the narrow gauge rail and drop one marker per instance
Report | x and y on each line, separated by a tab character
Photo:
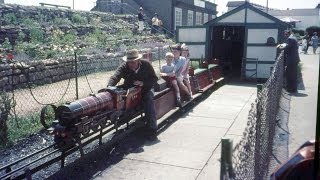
92	118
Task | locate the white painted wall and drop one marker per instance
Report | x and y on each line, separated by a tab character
264	70
235	18
253	17
197	51
199	3
261	35
306	21
192	35
263	53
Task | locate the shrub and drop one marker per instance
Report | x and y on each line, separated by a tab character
6	44
78	19
10	19
36	35
29	23
313	29
298	31
6	103
61	21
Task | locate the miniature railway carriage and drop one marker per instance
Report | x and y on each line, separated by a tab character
115	106
243	40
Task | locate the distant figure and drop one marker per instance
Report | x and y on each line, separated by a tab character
141	19
155	24
167	72
315	41
291	57
305	42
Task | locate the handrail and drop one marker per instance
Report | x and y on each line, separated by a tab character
255	70
54	5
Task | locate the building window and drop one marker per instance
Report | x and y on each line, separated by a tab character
205	18
178	17
190	18
198	18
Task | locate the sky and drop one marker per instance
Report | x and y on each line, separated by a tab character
221	4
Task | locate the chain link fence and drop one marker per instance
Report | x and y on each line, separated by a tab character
33	85
251	156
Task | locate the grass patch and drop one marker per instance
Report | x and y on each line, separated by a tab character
23	127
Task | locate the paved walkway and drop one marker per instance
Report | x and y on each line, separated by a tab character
303	105
190	148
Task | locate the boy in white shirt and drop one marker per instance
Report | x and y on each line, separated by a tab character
167	72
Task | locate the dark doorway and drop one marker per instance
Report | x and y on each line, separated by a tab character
227	45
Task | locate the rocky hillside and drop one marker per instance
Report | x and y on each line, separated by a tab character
33	32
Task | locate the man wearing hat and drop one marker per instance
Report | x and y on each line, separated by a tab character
137	72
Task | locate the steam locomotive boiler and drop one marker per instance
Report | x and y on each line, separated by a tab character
103	109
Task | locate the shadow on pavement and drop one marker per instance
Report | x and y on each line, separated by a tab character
98	160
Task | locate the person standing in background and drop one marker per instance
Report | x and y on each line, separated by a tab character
306	45
141	19
292	59
315	41
155	24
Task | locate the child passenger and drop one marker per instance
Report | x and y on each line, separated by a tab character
180	63
185	69
167	72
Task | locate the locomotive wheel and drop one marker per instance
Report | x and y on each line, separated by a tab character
47	115
86	129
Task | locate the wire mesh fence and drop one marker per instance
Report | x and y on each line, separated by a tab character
33	85
251	156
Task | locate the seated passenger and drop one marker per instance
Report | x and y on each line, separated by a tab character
167	72
185	70
179	63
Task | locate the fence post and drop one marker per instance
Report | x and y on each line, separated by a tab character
226	169
76	73
259	88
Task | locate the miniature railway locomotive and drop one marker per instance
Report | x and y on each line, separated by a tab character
114	107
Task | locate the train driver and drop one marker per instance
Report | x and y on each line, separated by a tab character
137	72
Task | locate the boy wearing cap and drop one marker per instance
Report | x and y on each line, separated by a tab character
137	72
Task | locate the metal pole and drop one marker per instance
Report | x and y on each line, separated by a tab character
267	9
72	4
226	170
317	139
159	57
76	73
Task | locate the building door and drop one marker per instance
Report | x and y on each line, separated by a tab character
227	45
